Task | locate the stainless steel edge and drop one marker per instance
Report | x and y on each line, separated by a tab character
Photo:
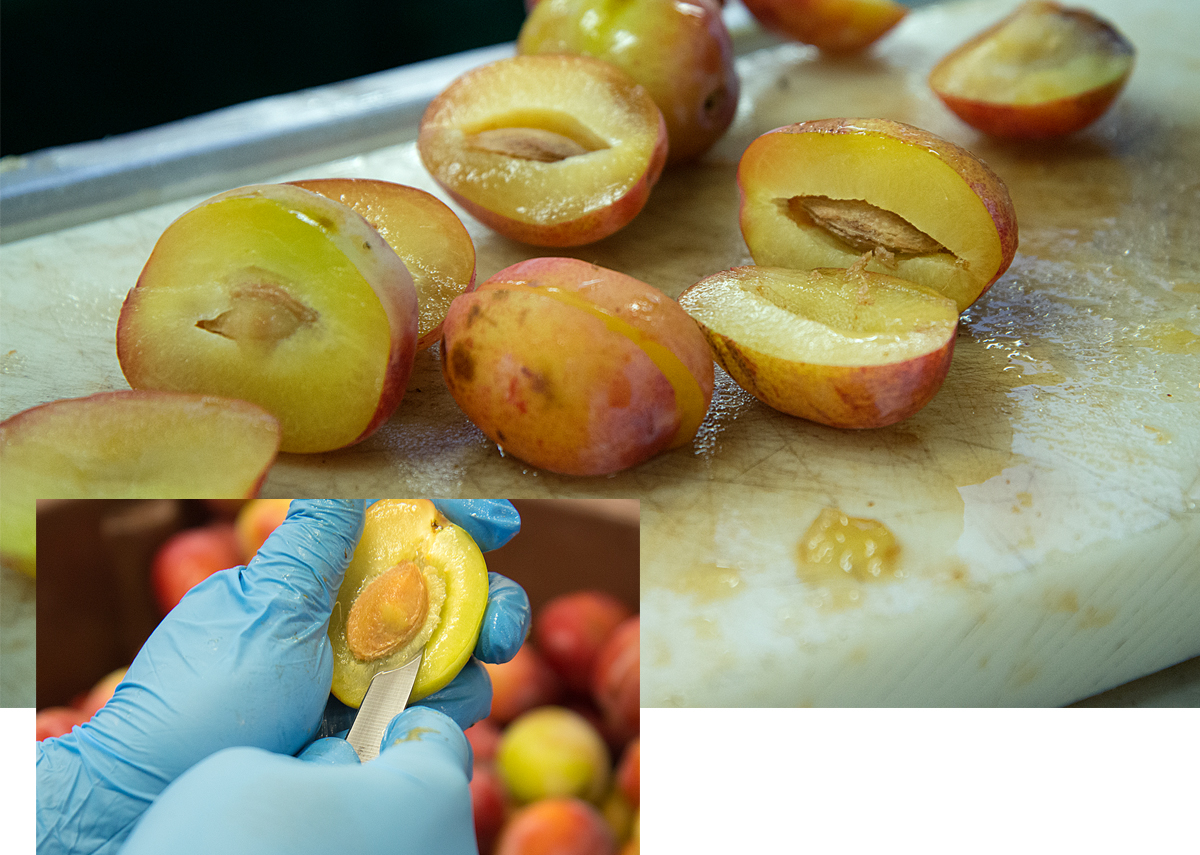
63	186
60	187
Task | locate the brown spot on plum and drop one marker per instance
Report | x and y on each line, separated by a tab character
620	392
462	363
536	381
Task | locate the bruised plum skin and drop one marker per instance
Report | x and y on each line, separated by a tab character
576	369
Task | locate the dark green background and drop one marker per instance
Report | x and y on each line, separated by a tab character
72	71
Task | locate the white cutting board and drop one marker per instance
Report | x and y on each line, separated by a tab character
1045	503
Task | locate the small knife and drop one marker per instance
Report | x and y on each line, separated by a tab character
386	697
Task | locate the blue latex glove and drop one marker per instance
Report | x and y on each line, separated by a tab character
243	660
412	798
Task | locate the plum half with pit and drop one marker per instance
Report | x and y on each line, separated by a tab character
548	150
416	581
279	296
822	193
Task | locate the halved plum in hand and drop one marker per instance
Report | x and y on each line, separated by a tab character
416	580
427	235
548	150
846	348
128	445
822	193
576	368
1044	71
279	296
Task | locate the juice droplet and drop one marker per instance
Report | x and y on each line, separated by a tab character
838	544
710	581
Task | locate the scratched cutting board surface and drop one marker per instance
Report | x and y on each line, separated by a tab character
1044	504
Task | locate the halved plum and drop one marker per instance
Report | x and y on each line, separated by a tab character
427	235
822	193
277	295
128	444
416	580
845	348
1044	71
550	150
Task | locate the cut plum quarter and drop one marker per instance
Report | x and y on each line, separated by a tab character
422	229
1044	71
845	348
575	368
128	445
415	580
548	150
822	193
835	26
283	297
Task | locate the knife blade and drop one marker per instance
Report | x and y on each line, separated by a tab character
386	697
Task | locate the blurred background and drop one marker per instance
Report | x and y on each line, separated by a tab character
72	71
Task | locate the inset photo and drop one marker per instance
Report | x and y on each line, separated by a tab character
267	643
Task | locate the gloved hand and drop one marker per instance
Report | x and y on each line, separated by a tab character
243	660
412	798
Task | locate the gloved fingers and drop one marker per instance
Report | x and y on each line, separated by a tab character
330	751
307	554
244	801
505	622
490	522
421	736
466	699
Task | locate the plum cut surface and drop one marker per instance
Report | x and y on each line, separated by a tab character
128	444
423	230
818	194
398	533
279	296
1043	52
550	150
826	317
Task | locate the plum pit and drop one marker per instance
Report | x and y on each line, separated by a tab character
546	136
389	613
865	227
261	314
